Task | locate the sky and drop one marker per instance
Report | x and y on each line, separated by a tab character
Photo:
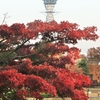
83	12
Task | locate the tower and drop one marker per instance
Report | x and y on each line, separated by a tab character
49	6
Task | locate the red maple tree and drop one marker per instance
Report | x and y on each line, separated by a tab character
33	59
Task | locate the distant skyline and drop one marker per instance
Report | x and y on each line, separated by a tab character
83	12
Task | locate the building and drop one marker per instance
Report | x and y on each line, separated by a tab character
94	71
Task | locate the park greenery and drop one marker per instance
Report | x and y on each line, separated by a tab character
33	59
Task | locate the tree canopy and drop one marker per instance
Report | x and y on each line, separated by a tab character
33	59
93	55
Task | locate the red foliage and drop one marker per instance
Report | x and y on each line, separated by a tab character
21	94
59	77
31	69
36	95
79	95
11	78
85	82
39	85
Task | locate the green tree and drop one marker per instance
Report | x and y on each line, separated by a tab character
82	63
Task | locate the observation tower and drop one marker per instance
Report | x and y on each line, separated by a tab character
49	6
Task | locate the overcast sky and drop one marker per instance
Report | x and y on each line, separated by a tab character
83	12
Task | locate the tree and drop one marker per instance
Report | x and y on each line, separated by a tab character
30	68
82	63
93	55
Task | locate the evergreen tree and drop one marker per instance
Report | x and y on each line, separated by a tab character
83	64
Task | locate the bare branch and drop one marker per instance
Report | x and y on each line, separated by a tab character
5	17
18	47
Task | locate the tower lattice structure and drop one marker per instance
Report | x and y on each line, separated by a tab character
49	6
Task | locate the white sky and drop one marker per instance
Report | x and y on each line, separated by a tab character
83	12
